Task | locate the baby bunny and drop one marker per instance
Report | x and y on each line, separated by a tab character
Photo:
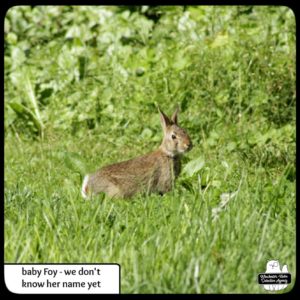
154	172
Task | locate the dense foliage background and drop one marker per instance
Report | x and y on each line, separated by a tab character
82	85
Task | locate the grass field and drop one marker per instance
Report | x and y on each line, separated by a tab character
79	95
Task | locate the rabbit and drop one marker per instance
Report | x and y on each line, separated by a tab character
154	172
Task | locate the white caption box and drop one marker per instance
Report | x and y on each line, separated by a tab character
62	278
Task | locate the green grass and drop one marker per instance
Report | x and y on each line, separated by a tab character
160	242
235	84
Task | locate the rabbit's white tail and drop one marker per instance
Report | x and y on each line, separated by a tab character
84	189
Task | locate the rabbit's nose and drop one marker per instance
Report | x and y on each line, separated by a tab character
188	146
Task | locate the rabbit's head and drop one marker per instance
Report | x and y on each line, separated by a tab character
176	141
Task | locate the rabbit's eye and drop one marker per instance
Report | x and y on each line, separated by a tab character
173	136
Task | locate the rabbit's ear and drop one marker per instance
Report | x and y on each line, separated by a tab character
174	116
164	120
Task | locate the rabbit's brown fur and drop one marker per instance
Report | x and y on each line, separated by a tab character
152	172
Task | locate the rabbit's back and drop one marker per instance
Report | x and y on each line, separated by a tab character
153	172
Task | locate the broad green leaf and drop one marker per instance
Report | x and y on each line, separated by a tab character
20	109
193	166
